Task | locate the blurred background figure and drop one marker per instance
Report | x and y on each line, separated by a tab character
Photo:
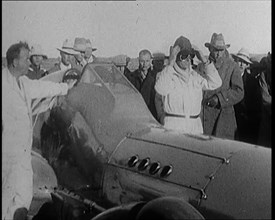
158	61
266	92
36	58
126	70
88	53
67	57
80	47
248	111
218	105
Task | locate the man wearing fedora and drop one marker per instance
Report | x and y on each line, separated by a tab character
218	111
67	54
84	47
36	58
17	129
181	87
248	110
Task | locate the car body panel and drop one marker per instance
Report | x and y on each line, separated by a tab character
122	186
189	168
44	181
243	187
93	132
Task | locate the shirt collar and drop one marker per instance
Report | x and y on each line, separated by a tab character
142	75
63	67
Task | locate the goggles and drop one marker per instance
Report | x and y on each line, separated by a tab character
183	55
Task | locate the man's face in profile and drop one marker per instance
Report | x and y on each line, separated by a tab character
23	62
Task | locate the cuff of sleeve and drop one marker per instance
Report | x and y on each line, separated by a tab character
207	62
209	67
64	88
221	99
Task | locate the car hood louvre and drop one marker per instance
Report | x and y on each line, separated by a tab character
201	144
181	148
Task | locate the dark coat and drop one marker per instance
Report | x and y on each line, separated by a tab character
221	122
145	87
265	80
36	73
248	111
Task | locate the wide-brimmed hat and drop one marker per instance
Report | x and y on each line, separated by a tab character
36	49
217	41
81	44
67	47
244	55
89	45
185	46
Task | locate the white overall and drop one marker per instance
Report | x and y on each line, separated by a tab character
17	128
182	95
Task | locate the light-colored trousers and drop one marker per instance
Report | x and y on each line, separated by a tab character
17	184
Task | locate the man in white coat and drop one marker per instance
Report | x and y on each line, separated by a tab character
17	93
182	87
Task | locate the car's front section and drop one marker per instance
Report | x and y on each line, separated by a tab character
114	161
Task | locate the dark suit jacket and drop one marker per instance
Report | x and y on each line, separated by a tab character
248	111
145	87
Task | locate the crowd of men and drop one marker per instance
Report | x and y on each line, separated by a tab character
223	95
238	108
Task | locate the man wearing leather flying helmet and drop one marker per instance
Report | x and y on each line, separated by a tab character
182	87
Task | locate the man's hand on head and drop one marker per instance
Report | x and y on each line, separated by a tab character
173	54
199	54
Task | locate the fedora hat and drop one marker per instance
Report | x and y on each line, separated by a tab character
81	44
185	46
89	45
36	49
243	54
67	47
217	41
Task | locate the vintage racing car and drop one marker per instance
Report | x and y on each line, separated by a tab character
113	160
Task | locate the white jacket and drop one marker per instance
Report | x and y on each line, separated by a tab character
17	137
183	93
16	108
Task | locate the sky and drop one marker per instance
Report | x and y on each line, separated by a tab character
116	27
